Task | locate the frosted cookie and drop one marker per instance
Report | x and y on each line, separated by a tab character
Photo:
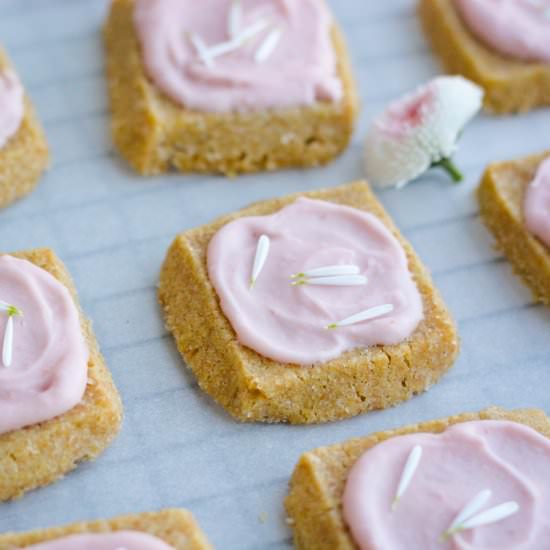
468	481
58	404
233	86
23	149
514	199
172	529
503	45
306	309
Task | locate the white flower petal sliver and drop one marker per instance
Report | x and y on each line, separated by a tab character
7	346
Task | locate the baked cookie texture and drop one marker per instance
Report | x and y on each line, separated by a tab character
40	454
314	502
174	526
510	85
25	156
501	198
254	388
154	134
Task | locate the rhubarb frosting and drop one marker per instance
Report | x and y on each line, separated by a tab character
279	53
515	28
537	204
510	460
12	106
120	540
291	323
48	372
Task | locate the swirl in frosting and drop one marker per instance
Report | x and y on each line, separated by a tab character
12	105
507	460
48	374
120	540
537	204
289	323
515	28
290	61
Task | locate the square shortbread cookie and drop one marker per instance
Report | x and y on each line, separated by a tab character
254	388
314	503
501	197
174	526
510	85
24	157
154	134
39	454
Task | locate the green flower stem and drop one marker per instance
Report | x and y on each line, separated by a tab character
450	167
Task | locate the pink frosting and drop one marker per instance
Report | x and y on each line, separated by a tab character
516	28
509	459
300	70
289	323
48	374
121	540
537	204
12	106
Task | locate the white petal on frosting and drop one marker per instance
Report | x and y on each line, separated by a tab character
399	148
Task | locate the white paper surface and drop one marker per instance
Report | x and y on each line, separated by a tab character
112	228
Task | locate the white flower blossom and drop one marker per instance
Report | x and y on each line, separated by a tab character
420	130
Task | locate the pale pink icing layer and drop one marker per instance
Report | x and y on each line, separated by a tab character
288	323
300	70
510	459
516	28
121	540
537	204
12	106
48	374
